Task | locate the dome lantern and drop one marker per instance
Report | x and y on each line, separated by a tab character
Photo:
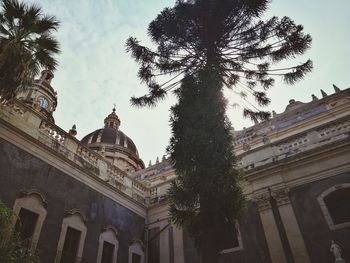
112	120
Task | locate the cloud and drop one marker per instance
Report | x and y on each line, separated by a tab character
95	71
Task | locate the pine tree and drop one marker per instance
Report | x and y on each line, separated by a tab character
205	197
205	46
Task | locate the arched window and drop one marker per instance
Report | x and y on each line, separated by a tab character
108	246
136	254
72	237
31	212
334	203
232	241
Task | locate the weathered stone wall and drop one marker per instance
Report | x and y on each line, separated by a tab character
153	245
254	244
22	171
313	225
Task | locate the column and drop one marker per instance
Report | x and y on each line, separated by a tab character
178	245
164	243
291	226
270	228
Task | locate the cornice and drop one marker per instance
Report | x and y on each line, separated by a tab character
294	136
43	152
295	160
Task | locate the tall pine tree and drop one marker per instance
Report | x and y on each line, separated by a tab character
205	197
206	45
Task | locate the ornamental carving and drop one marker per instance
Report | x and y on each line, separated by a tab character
281	196
246	147
263	201
265	139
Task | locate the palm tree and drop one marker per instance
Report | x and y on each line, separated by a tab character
26	45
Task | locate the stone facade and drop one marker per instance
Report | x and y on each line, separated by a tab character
296	167
22	171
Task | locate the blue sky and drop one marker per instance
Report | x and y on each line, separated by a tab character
95	71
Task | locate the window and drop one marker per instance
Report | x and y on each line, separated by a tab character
72	238
107	252
30	208
136	254
26	223
334	204
136	258
337	203
108	245
232	240
70	247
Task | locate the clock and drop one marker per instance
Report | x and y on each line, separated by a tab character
43	102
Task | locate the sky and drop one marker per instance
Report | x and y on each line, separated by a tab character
95	71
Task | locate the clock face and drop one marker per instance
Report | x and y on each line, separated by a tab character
43	102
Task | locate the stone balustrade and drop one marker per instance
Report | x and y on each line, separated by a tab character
308	140
66	146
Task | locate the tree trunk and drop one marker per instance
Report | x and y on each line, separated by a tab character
209	251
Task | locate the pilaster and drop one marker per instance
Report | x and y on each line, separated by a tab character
164	243
270	228
291	226
178	245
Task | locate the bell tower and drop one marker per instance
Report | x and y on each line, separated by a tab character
41	96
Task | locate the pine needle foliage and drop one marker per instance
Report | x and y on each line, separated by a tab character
26	45
228	33
204	46
205	197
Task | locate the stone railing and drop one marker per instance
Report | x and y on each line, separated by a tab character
297	144
68	147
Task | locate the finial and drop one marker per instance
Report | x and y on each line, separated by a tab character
274	113
150	163
324	94
157	160
114	105
163	158
73	131
314	97
336	89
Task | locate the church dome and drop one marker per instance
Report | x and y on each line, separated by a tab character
114	144
110	136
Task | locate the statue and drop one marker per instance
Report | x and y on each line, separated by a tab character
336	251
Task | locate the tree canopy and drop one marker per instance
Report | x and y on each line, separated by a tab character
26	45
229	34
